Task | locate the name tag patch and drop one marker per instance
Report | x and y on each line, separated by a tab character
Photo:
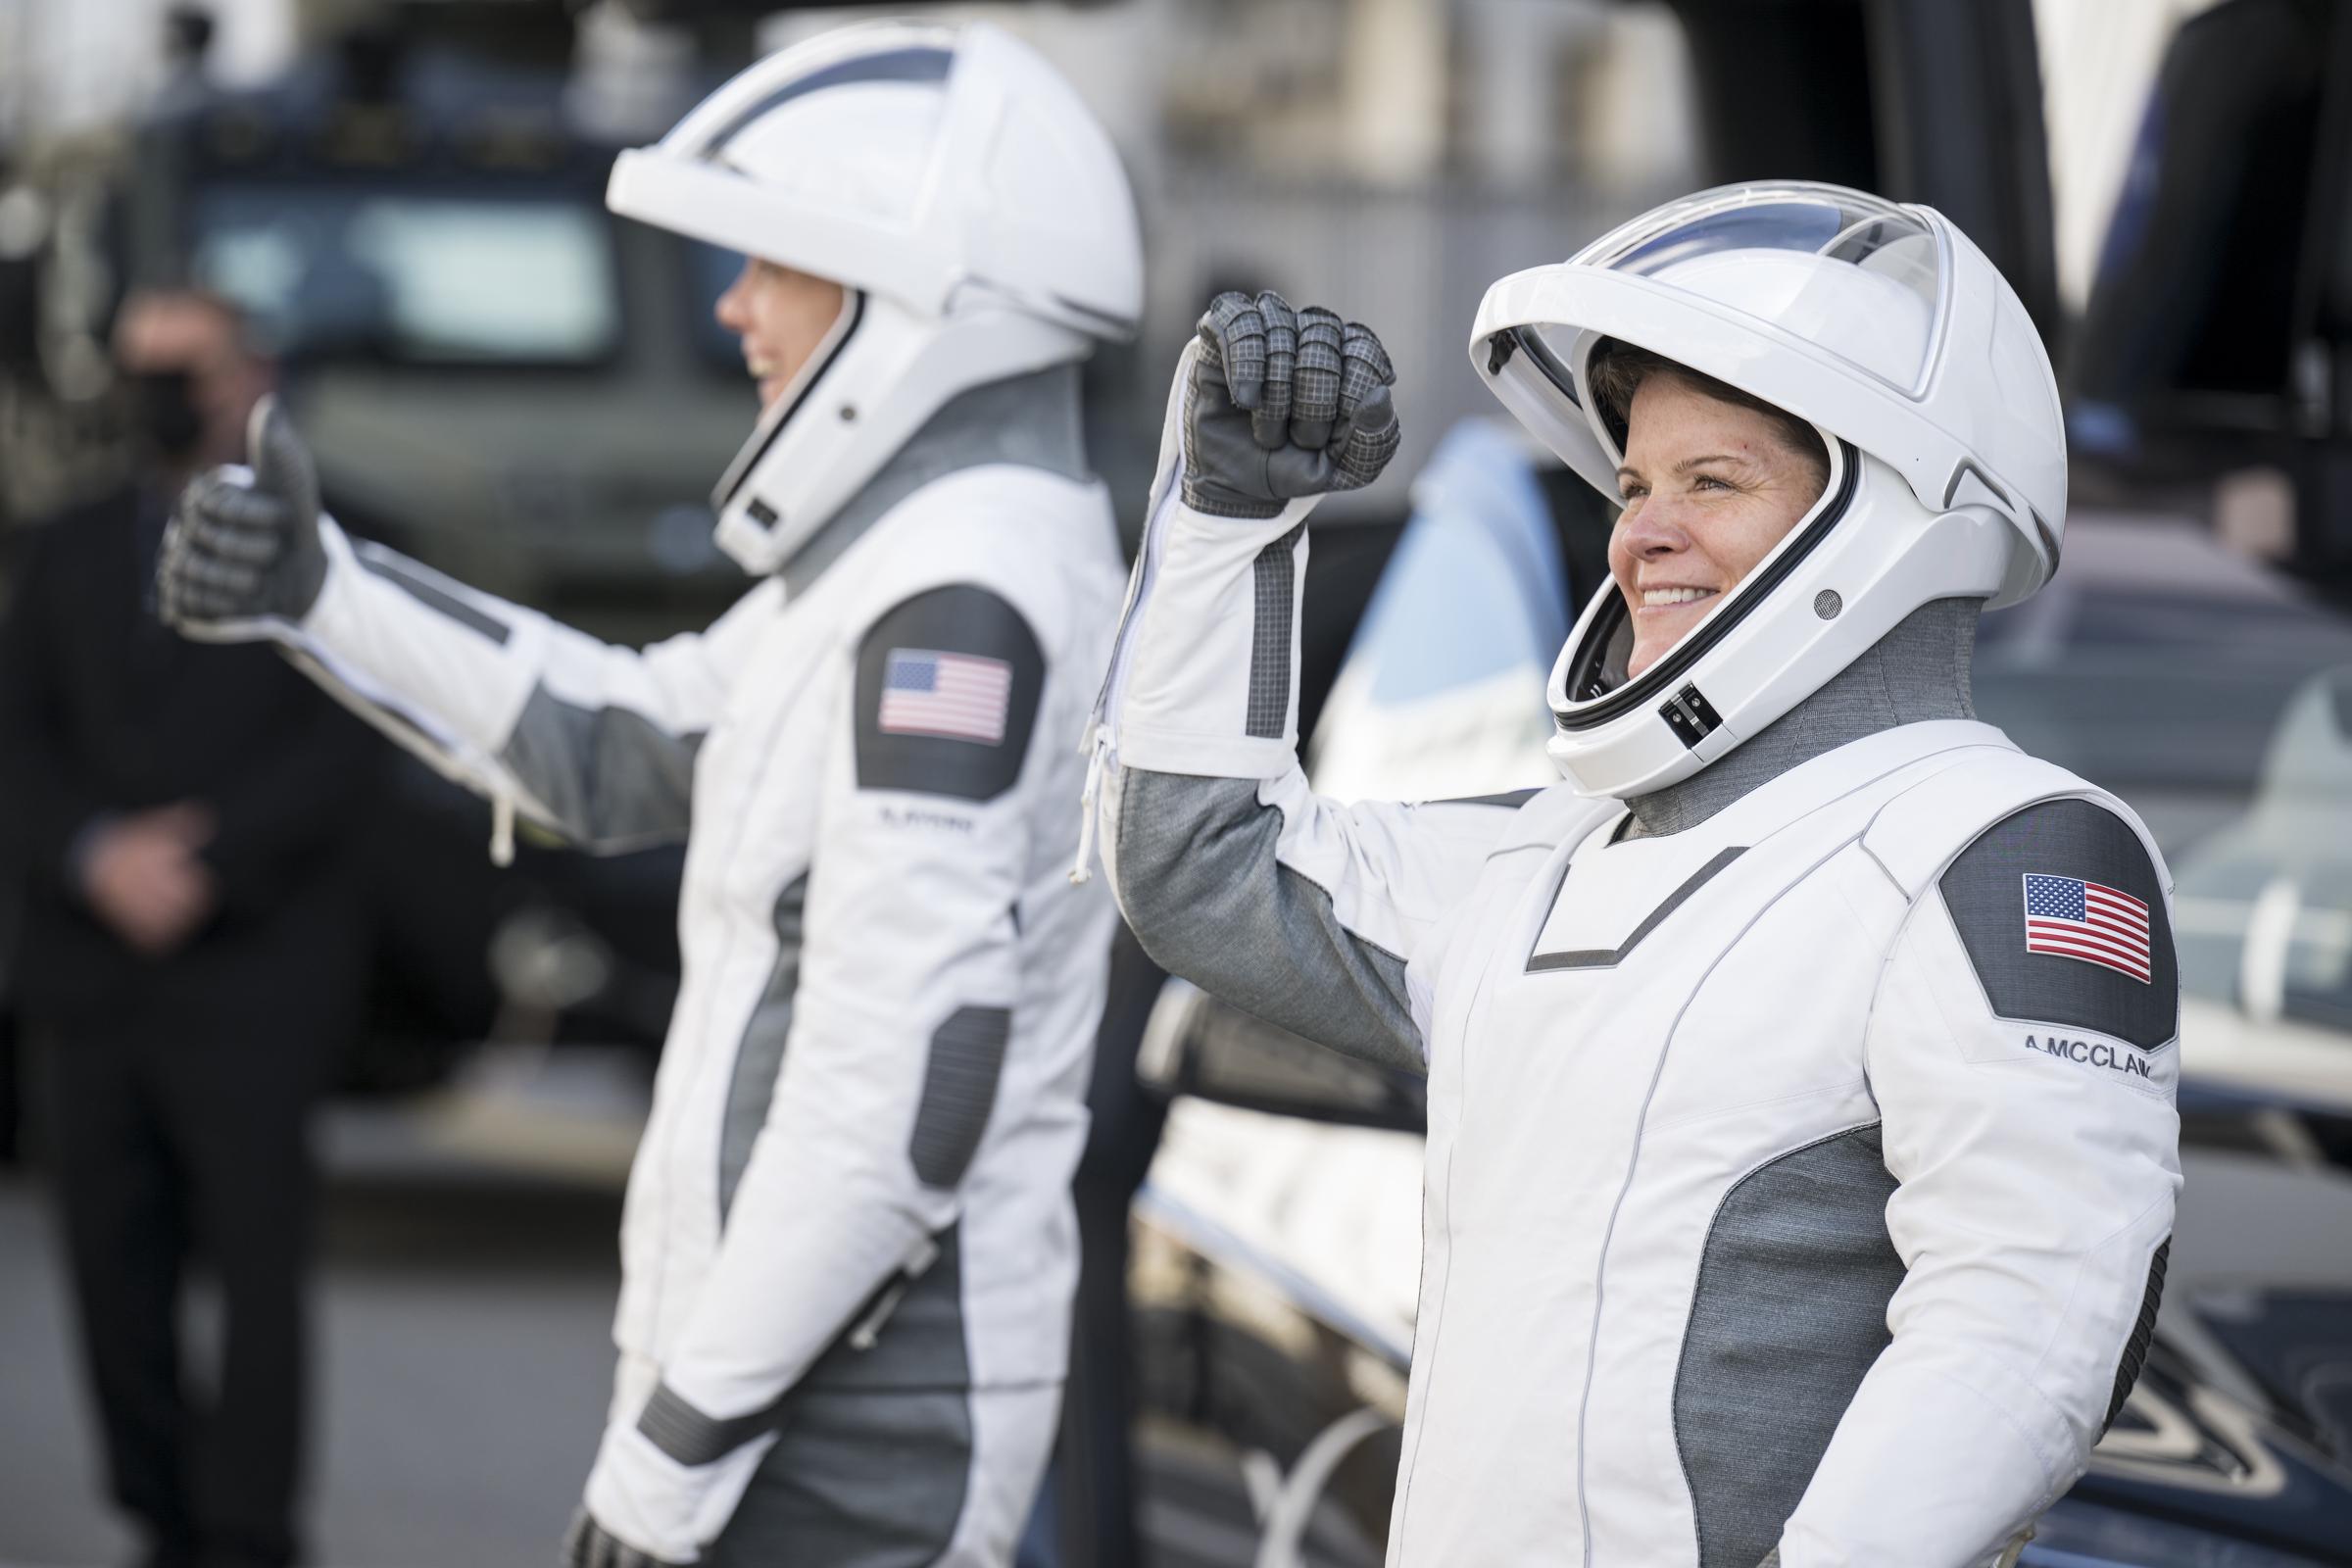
2095	1054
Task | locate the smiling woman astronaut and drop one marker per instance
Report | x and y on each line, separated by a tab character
1761	1222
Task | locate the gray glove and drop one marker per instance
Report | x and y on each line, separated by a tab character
239	550
588	1545
1283	404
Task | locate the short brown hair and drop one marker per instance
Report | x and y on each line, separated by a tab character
1616	371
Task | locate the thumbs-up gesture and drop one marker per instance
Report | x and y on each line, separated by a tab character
242	548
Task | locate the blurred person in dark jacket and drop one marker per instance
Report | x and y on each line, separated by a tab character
189	957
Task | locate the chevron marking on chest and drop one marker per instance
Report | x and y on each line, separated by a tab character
1609	957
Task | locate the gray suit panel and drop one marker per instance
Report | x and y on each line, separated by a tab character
610	777
1789	1315
855	1480
1210	902
759	1057
875	1445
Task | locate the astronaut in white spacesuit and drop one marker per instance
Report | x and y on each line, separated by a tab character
1802	1149
847	1252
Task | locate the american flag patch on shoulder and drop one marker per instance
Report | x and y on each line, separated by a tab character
959	697
2070	918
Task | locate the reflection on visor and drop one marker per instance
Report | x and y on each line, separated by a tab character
1780	226
1893	244
1780	254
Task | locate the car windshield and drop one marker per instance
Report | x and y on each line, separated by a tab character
407	276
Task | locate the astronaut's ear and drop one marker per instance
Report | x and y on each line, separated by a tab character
949	684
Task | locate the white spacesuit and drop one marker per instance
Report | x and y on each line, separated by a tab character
848	1248
1801	1147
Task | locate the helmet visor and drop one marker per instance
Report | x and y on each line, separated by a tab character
1856	276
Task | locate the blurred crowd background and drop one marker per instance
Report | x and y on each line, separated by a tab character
391	211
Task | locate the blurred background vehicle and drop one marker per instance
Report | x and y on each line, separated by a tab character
2168	183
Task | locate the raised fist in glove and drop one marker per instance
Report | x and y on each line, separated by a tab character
1283	404
244	549
589	1544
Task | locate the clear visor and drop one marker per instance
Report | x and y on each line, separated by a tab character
1848	273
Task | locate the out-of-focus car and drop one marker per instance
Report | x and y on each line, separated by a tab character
497	374
2157	663
1278	1247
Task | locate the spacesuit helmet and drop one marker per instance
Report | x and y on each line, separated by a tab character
1881	327
972	206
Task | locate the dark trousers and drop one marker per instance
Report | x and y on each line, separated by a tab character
1092	1488
171	1149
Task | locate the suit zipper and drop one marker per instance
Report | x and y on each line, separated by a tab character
1100	743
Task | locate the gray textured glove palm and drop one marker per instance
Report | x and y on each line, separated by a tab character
1283	404
240	549
588	1545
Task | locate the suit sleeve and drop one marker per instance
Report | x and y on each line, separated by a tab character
892	1063
594	741
2024	1051
293	800
47	802
1231	870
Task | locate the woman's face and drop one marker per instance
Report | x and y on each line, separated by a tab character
1709	488
781	315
